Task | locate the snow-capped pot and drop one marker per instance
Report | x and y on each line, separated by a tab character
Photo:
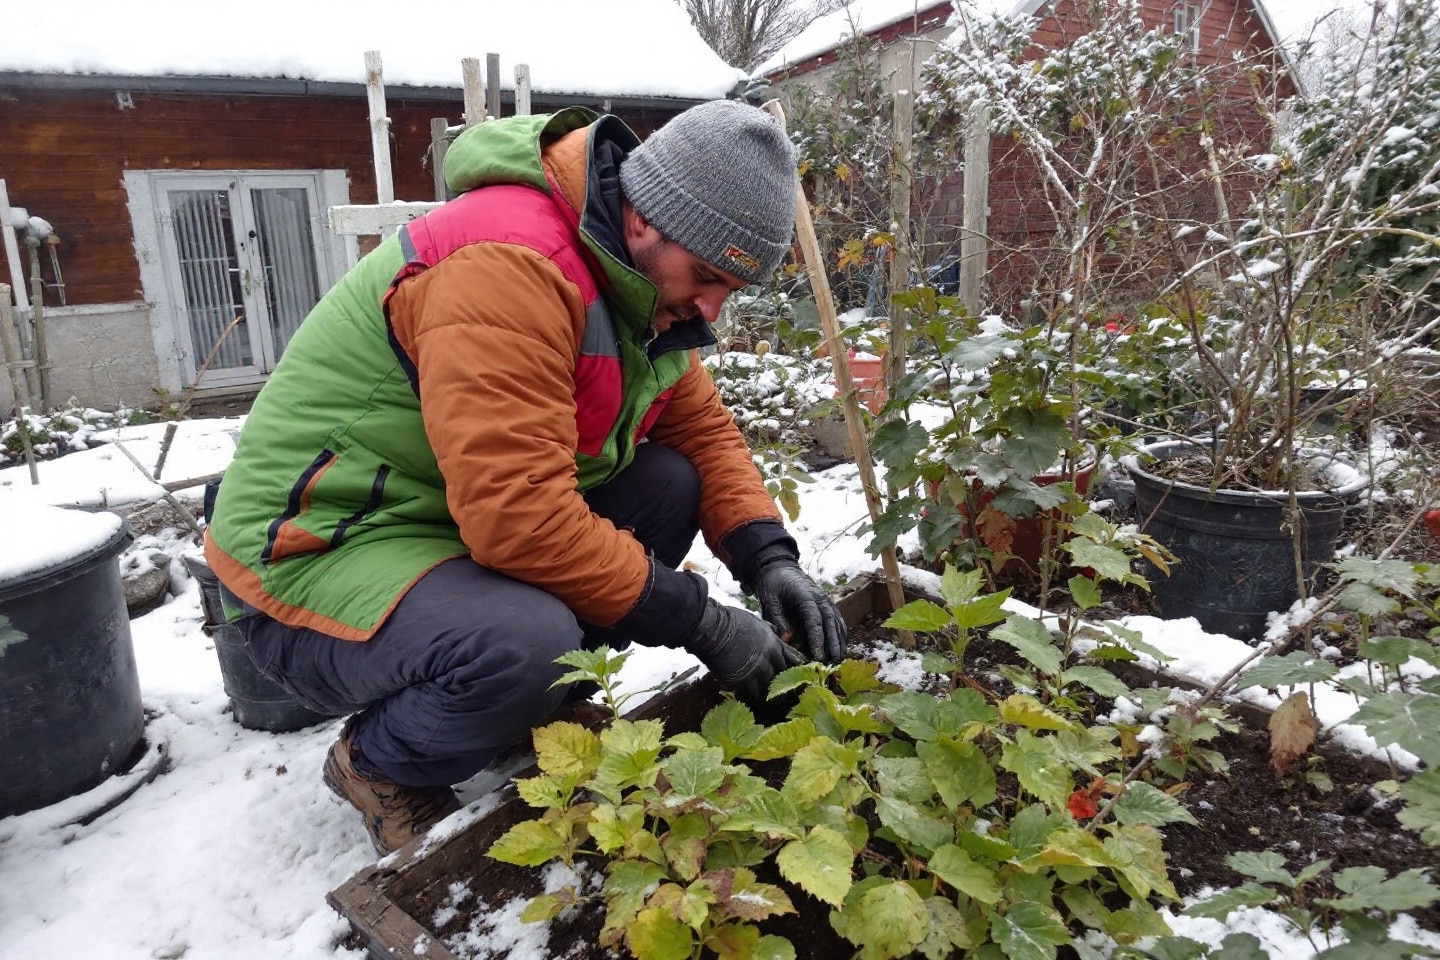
70	713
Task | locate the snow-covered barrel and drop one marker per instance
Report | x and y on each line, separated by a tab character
70	713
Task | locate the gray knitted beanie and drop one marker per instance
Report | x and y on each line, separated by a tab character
718	179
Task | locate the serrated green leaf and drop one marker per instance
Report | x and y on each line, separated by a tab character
694	773
974	879
1084	906
685	844
1367	601
1421	795
818	767
782	740
1032	641
1401	576
1143	803
1107	560
820	864
1140	860
985	847
544	792
1031	828
1029	931
903	778
982	611
923	717
917	828
979	351
567	750
655	934
1035	764
732	727
688	740
960	772
1267	866
629	737
1073	847
897	443
1220	905
613	827
1025	711
768	812
1135	640
1098	679
1409	720
1240	946
529	844
920	616
1397	651
546	906
888	919
1367	888
957	586
1137	921
803	675
1293	668
1085	591
859	676
947	931
1033	439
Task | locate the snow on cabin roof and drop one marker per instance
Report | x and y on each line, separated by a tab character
619	48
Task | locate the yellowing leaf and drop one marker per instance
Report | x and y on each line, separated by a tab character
567	749
820	864
657	935
528	844
842	172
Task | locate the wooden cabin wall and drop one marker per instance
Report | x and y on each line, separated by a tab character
63	155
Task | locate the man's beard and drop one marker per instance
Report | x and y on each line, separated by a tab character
645	263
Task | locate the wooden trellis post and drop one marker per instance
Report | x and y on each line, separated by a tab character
844	383
379	132
974	246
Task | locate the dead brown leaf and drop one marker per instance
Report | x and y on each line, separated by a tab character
997	529
1293	727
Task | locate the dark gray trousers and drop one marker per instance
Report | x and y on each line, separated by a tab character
463	666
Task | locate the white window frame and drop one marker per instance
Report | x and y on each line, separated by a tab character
1188	17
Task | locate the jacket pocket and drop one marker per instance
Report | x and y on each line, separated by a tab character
324	503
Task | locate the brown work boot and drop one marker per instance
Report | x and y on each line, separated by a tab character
394	814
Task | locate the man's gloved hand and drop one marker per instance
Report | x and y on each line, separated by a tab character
791	601
741	650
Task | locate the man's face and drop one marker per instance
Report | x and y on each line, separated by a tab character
687	285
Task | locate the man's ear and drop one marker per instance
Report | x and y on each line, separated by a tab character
639	233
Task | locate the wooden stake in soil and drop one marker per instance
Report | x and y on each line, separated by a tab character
849	402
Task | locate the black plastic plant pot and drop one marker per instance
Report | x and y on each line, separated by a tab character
257	702
1236	549
70	713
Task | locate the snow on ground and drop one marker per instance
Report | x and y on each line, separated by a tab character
230	853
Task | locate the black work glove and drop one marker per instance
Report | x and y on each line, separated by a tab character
795	604
741	650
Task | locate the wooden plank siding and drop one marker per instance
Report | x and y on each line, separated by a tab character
63	154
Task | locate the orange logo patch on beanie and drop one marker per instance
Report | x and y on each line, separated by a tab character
742	258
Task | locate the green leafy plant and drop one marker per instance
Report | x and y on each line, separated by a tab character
1352	922
924	824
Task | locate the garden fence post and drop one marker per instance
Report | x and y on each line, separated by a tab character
474	88
379	133
974	247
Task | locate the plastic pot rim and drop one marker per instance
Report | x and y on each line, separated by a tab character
1168	449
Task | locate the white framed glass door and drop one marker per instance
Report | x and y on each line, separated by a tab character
244	260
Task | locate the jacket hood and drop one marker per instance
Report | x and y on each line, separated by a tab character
508	151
